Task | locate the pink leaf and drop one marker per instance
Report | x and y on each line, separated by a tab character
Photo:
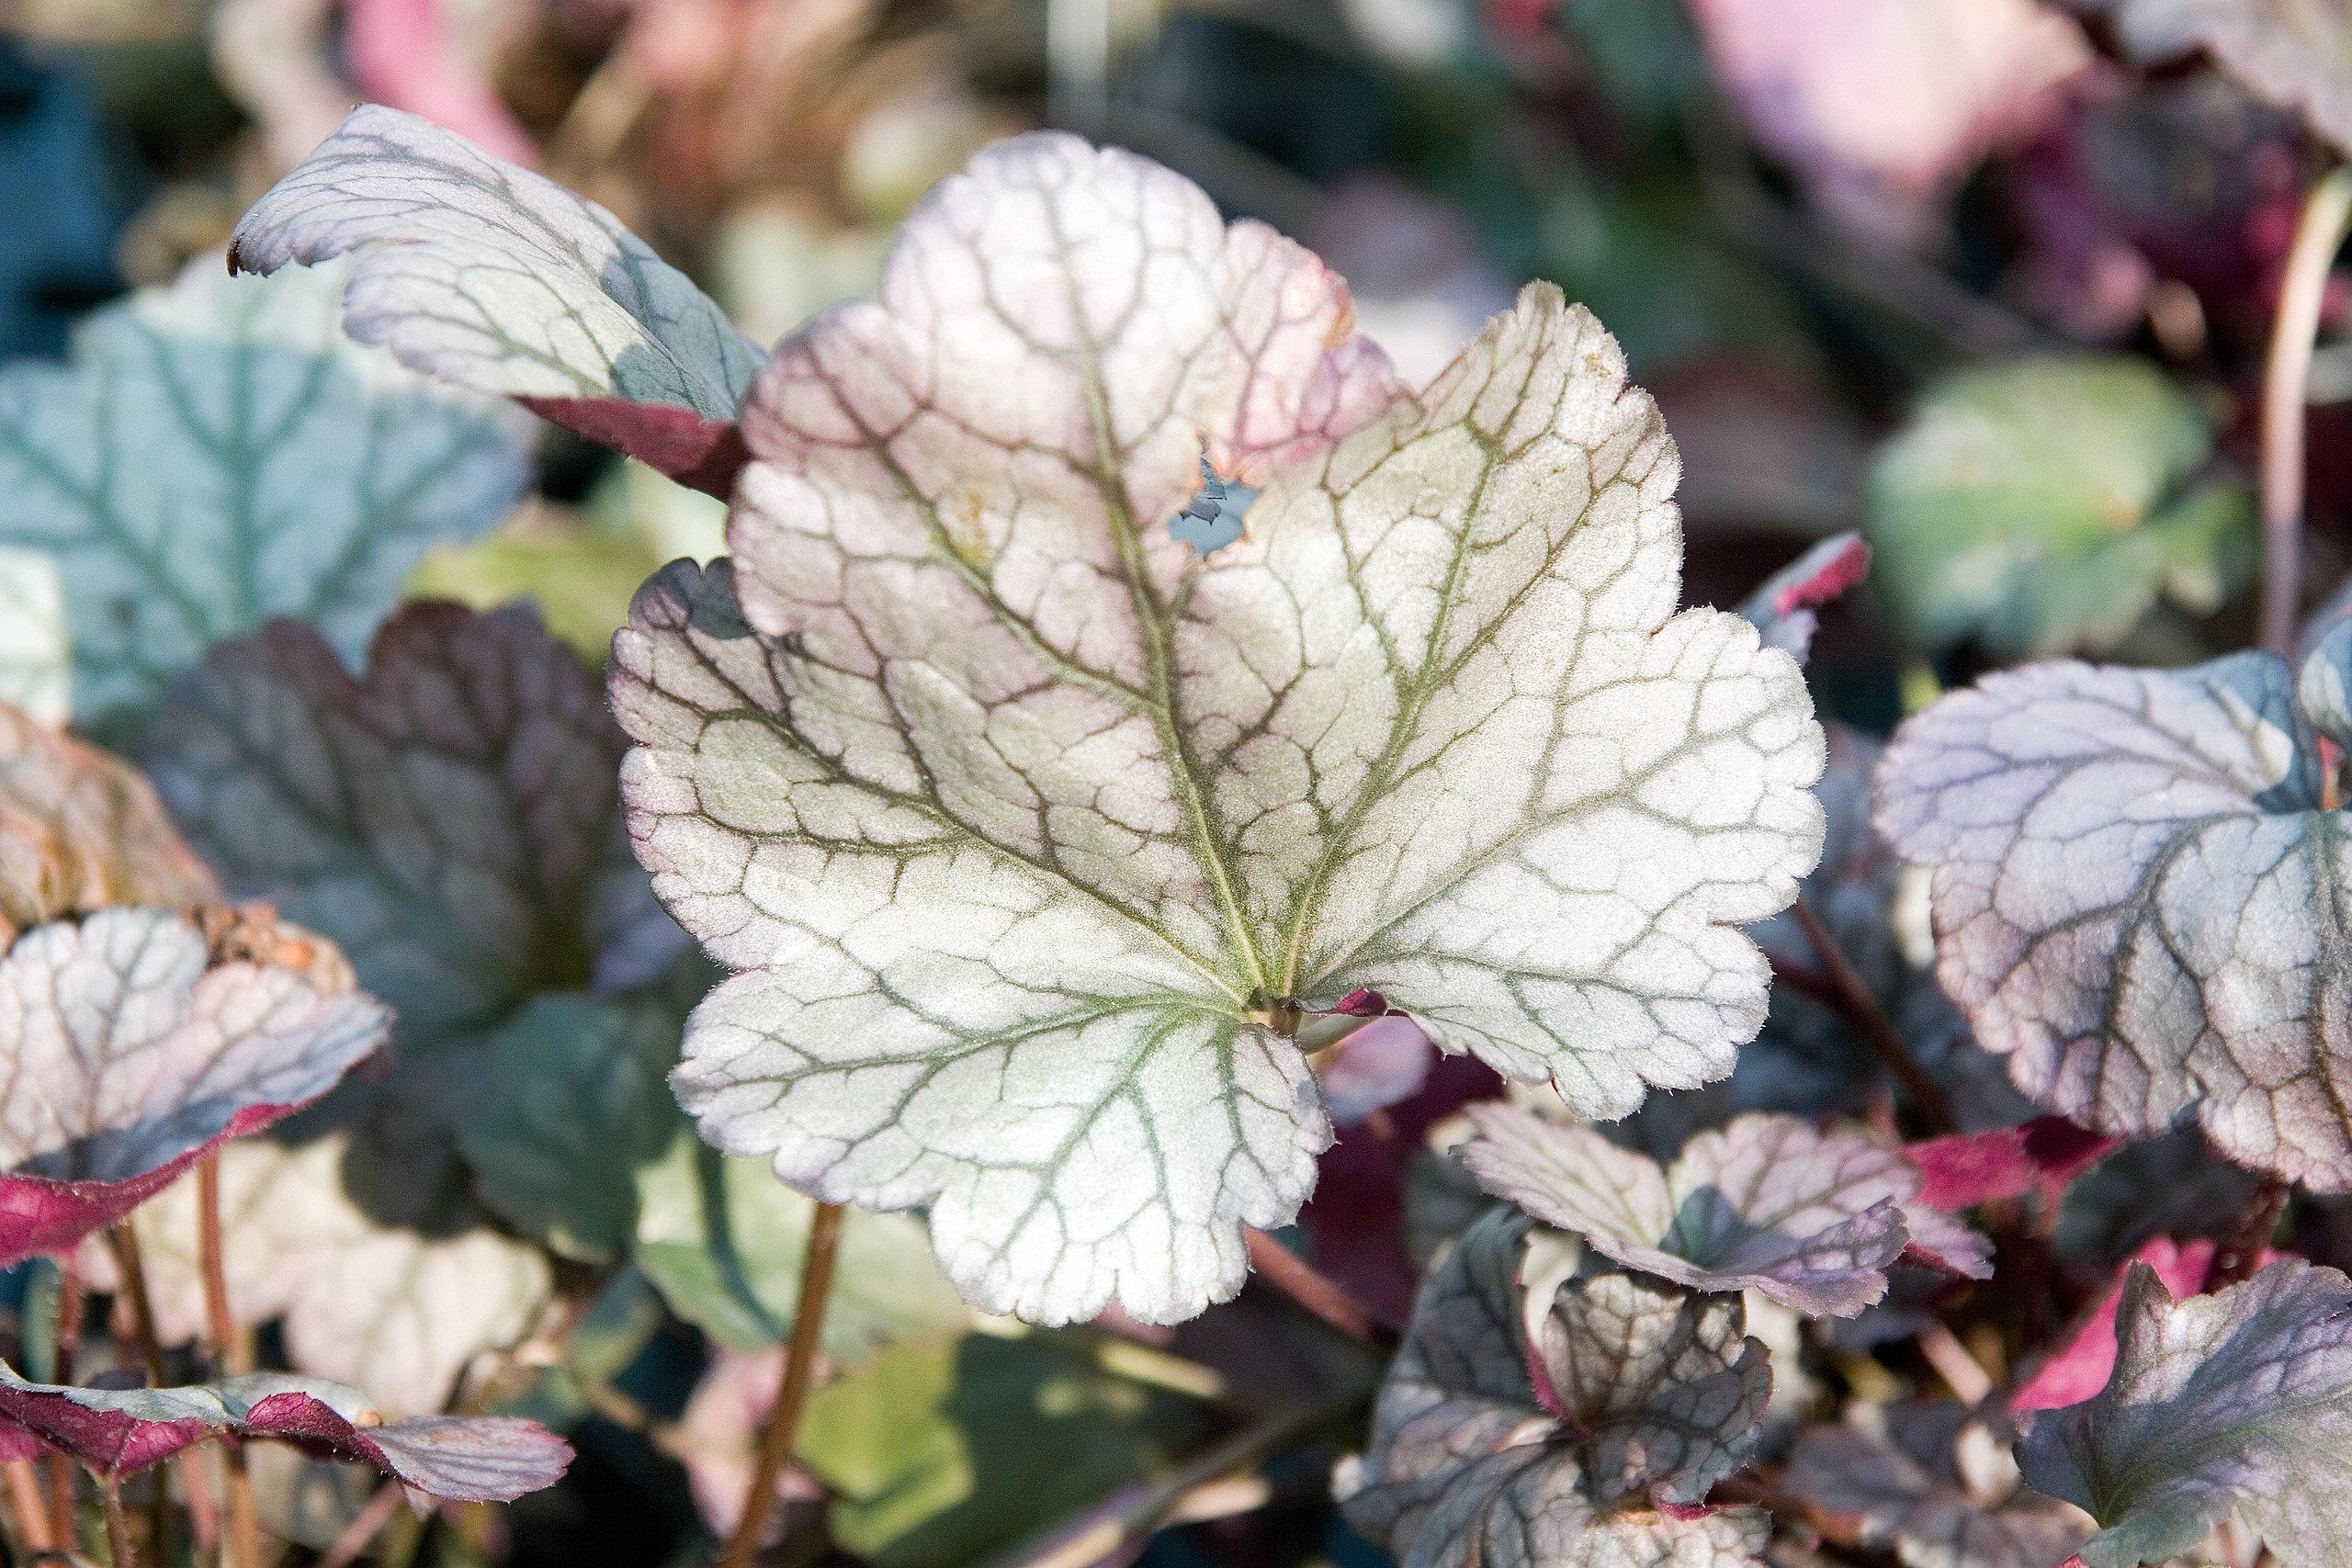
702	453
2081	1368
1969	1168
400	53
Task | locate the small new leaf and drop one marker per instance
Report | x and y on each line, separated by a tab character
130	1047
1767	1204
216	453
1649	1397
1035	832
492	278
2237	1402
2137	898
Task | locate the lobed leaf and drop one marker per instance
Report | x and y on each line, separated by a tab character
450	817
216	453
131	1046
2135	896
117	1431
80	830
1941	1491
1035	832
1472	1462
2238	1402
495	278
2077	1370
1767	1203
408	1307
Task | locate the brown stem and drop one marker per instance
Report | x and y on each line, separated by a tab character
118	1527
1869	1021
125	1244
30	1508
2241	1251
231	1354
799	1368
2285	390
63	1523
364	1528
1316	1291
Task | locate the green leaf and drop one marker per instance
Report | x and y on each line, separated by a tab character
581	578
722	1240
216	453
569	1104
2048	504
947	1452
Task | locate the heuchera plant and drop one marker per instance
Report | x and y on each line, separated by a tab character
1132	736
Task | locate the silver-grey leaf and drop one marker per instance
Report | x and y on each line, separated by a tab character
2138	899
1768	1203
1941	1491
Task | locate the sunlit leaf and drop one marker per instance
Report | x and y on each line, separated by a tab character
2132	896
403	1309
492	278
723	1241
953	1451
1471	1465
131	1046
80	830
216	453
2045	505
1943	1492
450	818
2294	53
116	1431
1035	832
1767	1204
2238	1402
36	637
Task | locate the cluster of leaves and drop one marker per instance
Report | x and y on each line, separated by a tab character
1139	721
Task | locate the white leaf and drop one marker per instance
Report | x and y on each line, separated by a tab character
493	277
1035	830
216	453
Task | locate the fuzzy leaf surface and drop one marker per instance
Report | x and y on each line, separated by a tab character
495	278
214	453
1019	816
129	1049
450	818
2138	900
2240	1401
116	1431
1767	1203
1470	1463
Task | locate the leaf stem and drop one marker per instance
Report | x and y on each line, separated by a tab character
67	1352
125	1244
1322	1296
365	1527
230	1353
799	1368
2286	389
1860	1008
2241	1251
31	1510
118	1527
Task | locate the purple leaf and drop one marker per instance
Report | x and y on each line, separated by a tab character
114	1432
1968	1168
1811	1219
2079	1369
1941	1490
131	1046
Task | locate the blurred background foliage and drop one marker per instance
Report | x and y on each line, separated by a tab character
1961	273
